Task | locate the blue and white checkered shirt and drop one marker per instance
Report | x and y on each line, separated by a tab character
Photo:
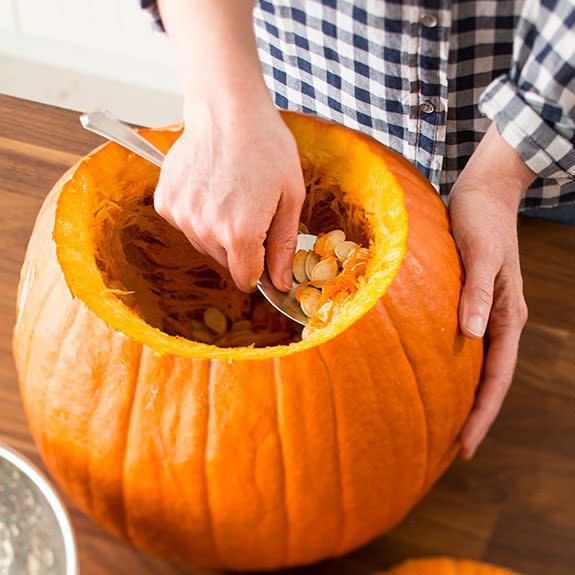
427	77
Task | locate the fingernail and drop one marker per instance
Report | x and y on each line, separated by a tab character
476	325
288	279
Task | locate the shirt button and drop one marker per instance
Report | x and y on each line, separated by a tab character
429	21
426	107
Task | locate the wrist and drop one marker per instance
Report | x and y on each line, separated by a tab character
498	170
229	101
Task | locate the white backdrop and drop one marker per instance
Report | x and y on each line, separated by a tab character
83	54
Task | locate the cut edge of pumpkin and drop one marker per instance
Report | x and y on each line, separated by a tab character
383	205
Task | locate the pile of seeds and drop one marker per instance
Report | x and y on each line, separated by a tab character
260	330
328	275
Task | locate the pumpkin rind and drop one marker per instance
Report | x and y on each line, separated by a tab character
257	463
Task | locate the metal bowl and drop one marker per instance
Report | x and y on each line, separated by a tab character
36	536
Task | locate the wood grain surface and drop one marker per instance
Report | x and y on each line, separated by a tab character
513	505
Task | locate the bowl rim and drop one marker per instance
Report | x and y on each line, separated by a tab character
23	464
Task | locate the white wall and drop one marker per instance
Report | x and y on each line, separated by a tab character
84	54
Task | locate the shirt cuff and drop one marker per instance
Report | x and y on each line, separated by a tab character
521	120
152	8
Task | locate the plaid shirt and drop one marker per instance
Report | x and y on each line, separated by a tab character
427	77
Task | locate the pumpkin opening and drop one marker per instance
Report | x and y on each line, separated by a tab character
153	269
142	275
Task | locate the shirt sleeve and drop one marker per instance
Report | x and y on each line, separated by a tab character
533	105
152	8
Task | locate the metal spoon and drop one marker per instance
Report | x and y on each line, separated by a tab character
103	123
285	301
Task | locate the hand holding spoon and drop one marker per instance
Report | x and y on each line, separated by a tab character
103	123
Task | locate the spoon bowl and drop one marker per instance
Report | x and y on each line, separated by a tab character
285	302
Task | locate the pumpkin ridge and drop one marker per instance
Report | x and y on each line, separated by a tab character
277	381
209	513
416	235
340	538
70	322
43	304
166	455
413	369
374	385
136	377
91	434
419	394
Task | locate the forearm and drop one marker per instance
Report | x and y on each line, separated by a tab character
214	49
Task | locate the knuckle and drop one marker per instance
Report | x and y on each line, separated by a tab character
239	241
242	237
520	312
283	244
203	231
513	313
483	293
160	204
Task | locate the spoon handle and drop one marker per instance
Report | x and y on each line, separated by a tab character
103	123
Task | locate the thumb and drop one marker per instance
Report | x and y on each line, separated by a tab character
477	295
282	239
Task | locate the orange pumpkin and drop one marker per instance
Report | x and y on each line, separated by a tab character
446	566
245	457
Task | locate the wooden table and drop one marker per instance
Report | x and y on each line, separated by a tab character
513	505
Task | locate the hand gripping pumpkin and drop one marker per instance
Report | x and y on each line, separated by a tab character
446	566
261	450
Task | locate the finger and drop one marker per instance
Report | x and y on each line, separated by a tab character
477	294
211	244
162	208
498	374
187	228
246	260
282	239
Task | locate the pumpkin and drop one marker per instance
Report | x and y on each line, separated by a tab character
446	566
255	454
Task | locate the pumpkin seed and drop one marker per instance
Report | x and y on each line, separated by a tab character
356	256
310	262
299	267
203	335
325	270
306	332
216	320
301	289
326	243
343	249
241	325
325	312
309	301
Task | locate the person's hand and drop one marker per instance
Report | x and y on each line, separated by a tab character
483	208
232	183
233	180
